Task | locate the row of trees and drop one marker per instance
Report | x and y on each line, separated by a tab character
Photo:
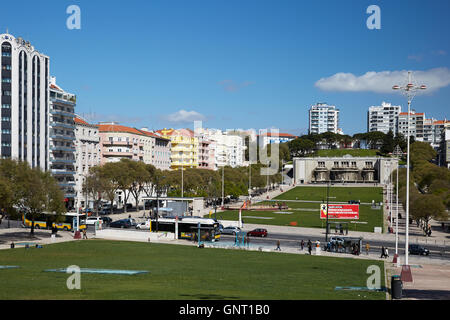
28	190
135	178
307	144
429	186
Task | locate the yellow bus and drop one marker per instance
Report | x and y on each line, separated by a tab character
67	221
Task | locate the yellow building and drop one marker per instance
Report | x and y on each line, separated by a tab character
184	147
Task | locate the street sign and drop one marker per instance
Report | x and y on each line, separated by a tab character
339	211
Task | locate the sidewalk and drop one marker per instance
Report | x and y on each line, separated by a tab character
42	237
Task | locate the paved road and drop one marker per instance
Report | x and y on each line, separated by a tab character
293	241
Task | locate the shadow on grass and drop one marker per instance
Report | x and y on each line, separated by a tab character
208	296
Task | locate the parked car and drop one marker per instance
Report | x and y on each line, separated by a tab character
124	223
231	230
143	225
90	221
258	233
106	220
418	249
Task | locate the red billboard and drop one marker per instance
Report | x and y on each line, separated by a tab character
339	211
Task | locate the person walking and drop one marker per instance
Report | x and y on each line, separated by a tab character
367	248
278	245
309	246
302	244
84	234
383	252
386	252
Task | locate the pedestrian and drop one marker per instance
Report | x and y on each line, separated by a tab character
278	245
383	252
367	248
84	234
302	244
309	246
387	252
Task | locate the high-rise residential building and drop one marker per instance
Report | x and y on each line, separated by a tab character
87	155
323	118
24	102
383	118
61	140
416	121
184	147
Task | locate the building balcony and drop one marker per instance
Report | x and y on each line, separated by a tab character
117	154
56	160
116	143
66	184
70	101
61	148
57	124
62	113
62	137
62	172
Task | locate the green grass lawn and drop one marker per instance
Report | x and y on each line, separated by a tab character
311	219
343	194
179	272
343	152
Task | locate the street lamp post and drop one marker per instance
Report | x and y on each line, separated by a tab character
223	195
397	152
328	196
409	90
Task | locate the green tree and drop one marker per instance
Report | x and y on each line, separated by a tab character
427	206
300	147
388	143
38	193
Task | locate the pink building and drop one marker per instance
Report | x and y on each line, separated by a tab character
117	142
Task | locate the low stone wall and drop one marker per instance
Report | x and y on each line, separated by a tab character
129	235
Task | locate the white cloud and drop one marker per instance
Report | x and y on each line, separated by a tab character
382	82
184	116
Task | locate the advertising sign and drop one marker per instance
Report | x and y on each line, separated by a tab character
339	211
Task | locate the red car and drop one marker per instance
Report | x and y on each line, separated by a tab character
258	233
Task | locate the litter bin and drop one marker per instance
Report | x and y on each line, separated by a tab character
396	287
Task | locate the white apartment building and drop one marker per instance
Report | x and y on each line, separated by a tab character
87	155
228	148
24	102
323	118
61	142
383	118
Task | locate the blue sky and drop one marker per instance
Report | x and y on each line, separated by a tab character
237	63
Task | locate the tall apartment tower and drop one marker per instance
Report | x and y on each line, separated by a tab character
383	118
62	139
25	102
323	118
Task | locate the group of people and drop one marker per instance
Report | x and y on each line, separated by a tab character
309	245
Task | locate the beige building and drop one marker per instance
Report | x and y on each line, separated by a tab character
87	155
345	169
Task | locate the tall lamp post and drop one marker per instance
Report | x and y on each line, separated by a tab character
397	153
328	197
223	181
409	90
